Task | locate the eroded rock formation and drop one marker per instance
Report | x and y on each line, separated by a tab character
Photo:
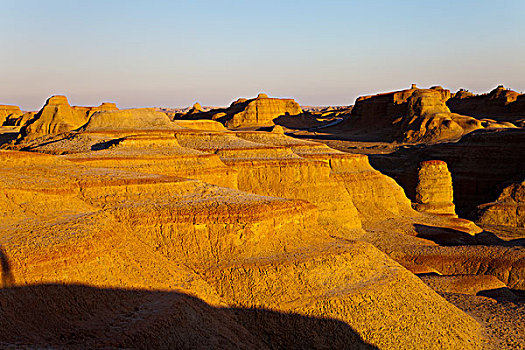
256	239
507	210
55	117
58	116
132	204
120	229
434	191
128	119
409	116
195	109
501	104
257	112
9	112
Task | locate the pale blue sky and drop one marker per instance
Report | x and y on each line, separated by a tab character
173	53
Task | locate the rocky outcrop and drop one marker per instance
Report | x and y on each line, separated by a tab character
8	112
500	104
408	116
19	120
507	210
434	192
129	119
428	119
482	163
57	116
257	112
235	227
195	109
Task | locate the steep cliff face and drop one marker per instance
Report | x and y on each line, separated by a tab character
482	163
374	195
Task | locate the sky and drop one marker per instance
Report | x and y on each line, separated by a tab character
326	52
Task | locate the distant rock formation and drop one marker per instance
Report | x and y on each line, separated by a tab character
129	119
58	116
507	210
55	117
409	116
261	111
196	108
500	108
434	193
428	119
500	104
257	112
9	112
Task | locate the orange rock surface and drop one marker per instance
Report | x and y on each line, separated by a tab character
136	231
434	191
58	116
9	112
257	112
410	116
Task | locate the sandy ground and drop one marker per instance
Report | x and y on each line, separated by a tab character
503	320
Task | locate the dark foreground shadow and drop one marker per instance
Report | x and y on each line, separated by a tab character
78	316
7	275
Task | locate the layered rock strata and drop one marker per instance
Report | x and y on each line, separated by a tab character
215	253
507	210
231	251
257	112
57	116
408	116
434	192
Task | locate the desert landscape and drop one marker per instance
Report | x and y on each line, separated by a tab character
393	223
262	175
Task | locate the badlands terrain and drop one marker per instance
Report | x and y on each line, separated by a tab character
395	223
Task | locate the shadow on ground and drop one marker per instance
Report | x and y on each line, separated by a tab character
450	237
79	316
